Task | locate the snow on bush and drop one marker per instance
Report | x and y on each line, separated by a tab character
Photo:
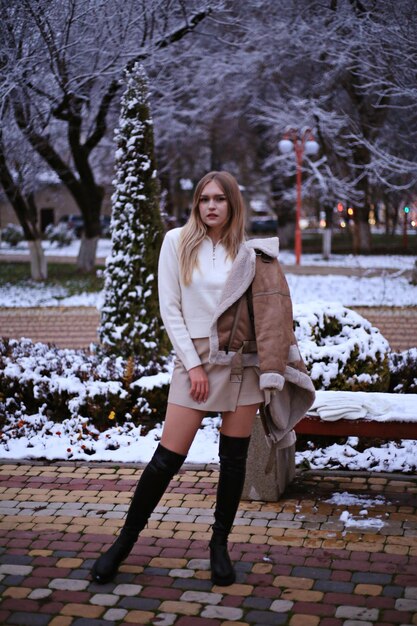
403	367
12	234
341	349
72	384
60	234
393	456
91	399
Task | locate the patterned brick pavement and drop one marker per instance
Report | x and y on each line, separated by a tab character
298	563
397	324
76	327
67	327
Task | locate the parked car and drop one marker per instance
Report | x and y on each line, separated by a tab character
73	222
76	223
105	225
263	222
169	221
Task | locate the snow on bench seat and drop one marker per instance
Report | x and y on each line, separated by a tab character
362	414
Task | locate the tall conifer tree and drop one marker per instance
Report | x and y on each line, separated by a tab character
130	322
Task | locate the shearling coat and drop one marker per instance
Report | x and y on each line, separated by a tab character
264	336
258	330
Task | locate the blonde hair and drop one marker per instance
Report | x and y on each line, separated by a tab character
195	230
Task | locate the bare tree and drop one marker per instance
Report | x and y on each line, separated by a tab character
332	53
62	75
223	97
23	203
338	66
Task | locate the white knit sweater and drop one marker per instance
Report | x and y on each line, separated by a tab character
187	311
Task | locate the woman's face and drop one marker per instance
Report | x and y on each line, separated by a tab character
213	207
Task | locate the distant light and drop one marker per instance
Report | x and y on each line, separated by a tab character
322	223
343	224
350	211
311	147
186	184
406	209
340	207
413	223
285	146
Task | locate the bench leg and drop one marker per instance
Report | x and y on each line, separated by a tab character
259	485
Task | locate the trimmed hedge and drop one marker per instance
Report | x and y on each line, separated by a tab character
403	366
62	384
342	350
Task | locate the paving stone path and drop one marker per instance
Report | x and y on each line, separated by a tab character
66	327
76	327
298	563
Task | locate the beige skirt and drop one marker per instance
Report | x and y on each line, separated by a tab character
223	394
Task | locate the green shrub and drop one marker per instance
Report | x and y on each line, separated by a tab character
12	234
60	234
403	367
63	384
341	349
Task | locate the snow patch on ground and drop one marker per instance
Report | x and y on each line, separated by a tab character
384	290
43	296
287	257
75	439
347	290
362	521
44	439
349	499
392	456
365	523
51	249
360	261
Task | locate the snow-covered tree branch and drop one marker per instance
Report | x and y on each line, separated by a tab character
63	74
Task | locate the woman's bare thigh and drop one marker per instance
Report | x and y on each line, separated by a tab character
180	427
239	423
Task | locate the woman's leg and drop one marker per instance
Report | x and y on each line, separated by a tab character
180	427
233	449
239	423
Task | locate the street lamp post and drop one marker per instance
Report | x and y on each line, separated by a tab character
301	142
405	224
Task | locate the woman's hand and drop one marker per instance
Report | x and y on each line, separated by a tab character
199	384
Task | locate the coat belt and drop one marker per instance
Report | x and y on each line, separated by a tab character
236	372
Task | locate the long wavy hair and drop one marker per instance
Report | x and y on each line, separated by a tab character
195	230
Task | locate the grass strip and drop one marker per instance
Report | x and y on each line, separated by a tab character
62	274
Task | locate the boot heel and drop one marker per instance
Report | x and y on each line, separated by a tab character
107	565
222	570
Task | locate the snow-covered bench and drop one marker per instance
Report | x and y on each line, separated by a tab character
334	413
361	414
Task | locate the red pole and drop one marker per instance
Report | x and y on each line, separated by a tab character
405	240
298	147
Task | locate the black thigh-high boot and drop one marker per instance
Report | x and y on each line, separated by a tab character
151	486
232	452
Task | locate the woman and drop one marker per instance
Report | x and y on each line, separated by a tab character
210	322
